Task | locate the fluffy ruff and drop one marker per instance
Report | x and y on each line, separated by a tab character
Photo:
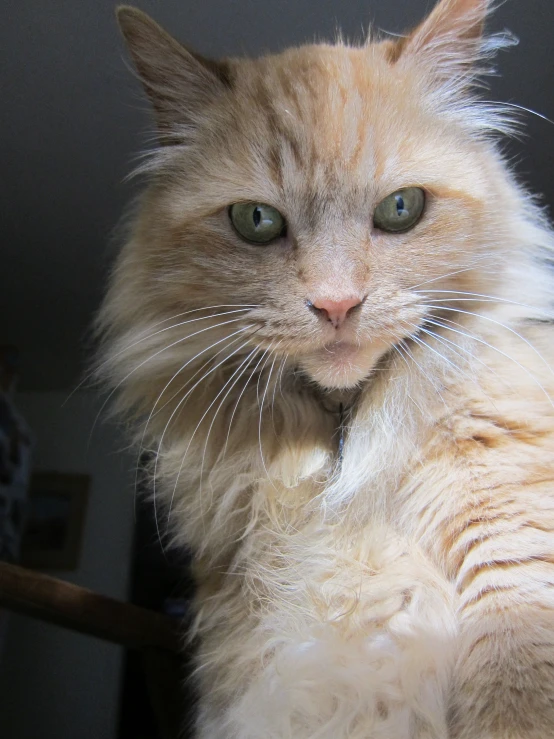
404	593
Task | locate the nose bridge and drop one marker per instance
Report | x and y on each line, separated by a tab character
336	268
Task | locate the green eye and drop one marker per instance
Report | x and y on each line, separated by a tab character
400	211
257	222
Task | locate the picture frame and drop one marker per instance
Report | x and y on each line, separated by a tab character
53	534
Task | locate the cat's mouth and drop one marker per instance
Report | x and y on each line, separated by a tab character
343	364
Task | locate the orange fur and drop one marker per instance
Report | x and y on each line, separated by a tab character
400	586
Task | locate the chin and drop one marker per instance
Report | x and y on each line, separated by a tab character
342	366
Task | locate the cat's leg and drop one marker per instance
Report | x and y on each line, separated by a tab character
504	684
326	639
499	546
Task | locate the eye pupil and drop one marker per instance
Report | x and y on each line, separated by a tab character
400	209
257	217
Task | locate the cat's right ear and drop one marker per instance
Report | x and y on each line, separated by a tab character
179	83
450	39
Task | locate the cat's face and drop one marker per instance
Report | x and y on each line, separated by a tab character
326	187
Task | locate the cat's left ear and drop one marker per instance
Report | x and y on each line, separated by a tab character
449	38
180	83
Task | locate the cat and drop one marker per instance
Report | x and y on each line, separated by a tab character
331	324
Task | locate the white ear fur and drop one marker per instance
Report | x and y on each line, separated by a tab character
451	22
452	49
450	40
179	83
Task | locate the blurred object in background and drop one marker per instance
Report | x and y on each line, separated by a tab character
15	466
15	459
55	521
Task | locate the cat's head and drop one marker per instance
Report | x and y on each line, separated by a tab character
312	199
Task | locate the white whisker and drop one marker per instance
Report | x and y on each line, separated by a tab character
451	274
235	333
179	405
455	347
443	324
110	359
423	343
198	426
521	108
479	297
277	380
203	351
501	325
153	356
261	412
239	399
423	372
238	372
409	367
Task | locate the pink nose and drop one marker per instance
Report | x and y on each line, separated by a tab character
335	311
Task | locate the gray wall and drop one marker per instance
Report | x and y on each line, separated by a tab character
56	684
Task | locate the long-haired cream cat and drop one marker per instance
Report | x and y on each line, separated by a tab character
330	323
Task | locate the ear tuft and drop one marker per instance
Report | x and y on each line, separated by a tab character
462	20
179	83
451	41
